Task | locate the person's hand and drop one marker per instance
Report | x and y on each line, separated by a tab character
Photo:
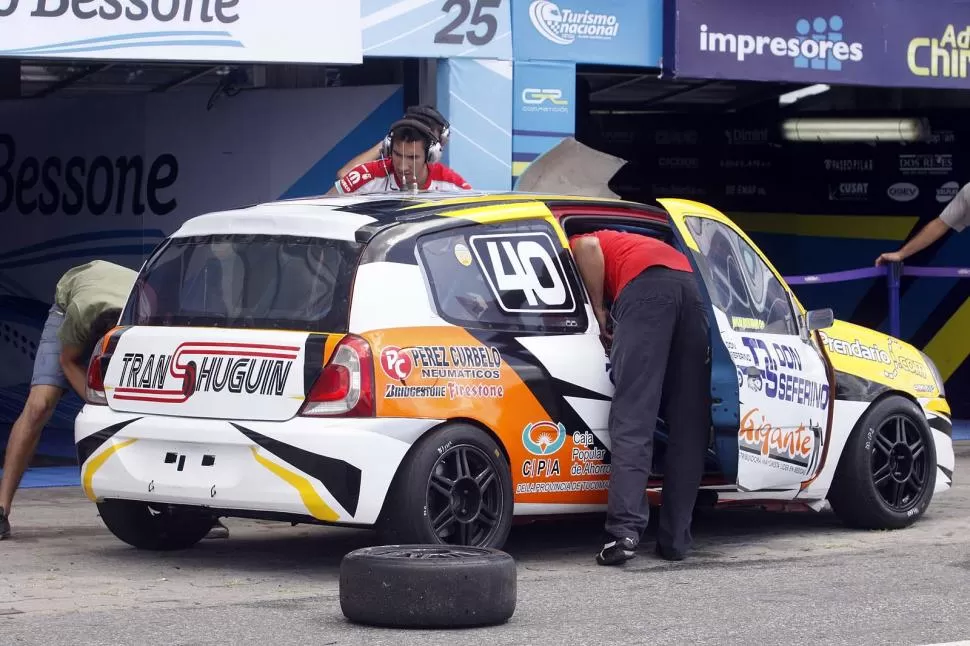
889	257
604	331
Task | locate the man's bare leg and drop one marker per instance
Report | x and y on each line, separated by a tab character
24	436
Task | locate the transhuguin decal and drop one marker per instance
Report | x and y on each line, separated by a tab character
235	368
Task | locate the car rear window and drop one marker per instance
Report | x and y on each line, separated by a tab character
246	281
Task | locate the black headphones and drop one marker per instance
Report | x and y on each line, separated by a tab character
432	149
428	114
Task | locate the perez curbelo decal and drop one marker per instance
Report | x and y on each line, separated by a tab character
778	376
442	362
787	449
239	368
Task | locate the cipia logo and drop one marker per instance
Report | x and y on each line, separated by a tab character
543	438
535	96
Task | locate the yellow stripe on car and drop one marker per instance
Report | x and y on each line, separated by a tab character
96	463
311	499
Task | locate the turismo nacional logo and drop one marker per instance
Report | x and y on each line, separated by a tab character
564	26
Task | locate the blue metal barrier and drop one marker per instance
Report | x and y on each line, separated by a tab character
893	273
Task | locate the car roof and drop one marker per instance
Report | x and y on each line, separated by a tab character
343	217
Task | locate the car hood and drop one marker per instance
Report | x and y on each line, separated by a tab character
880	358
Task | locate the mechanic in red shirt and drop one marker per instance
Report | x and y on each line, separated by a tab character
659	355
409	160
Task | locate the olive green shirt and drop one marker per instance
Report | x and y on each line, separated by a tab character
86	291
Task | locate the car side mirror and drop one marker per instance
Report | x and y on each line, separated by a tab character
819	319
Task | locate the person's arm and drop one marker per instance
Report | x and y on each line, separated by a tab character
589	258
371	154
74	369
929	234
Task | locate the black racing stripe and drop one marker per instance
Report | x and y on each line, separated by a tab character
943	425
313	351
568	389
947	472
87	447
856	389
340	478
386	210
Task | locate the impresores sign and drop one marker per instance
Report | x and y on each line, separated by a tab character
278	31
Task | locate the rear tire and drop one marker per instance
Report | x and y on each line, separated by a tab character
454	488
887	473
154	526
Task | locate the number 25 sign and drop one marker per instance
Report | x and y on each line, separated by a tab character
438	28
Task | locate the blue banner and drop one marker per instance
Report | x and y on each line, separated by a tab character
889	43
437	28
476	97
545	110
612	32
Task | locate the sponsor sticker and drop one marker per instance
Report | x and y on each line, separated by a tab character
785	449
903	192
777	375
463	255
947	192
563	26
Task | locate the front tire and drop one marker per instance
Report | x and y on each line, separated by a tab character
887	473
454	488
154	526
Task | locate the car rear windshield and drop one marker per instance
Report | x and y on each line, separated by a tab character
246	281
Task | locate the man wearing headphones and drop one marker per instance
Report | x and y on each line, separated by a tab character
410	155
424	113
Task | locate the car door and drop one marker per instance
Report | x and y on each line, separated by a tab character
784	393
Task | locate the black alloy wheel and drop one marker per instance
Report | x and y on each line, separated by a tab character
464	501
900	460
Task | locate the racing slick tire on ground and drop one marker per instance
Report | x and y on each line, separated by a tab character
887	474
427	586
454	487
156	526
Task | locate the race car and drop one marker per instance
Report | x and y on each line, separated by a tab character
429	365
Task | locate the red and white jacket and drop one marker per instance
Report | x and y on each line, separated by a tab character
378	177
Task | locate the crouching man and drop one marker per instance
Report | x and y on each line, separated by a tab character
88	301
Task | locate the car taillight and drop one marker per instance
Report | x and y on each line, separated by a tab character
94	387
345	388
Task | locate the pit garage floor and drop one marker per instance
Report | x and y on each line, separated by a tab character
755	577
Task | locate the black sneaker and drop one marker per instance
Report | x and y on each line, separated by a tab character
617	551
4	525
669	554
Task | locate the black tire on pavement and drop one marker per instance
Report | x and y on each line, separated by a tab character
154	526
887	473
427	586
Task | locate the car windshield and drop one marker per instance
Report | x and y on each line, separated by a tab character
246	281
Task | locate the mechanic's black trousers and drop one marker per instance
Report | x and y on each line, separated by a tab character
660	364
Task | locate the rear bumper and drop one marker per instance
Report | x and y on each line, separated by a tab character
335	470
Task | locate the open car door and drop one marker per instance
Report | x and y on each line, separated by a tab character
783	391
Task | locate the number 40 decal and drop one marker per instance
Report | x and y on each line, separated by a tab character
524	272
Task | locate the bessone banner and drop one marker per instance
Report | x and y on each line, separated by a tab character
252	31
107	177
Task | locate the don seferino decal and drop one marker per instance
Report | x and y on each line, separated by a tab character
238	368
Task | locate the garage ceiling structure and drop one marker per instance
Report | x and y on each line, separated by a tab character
615	90
41	78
